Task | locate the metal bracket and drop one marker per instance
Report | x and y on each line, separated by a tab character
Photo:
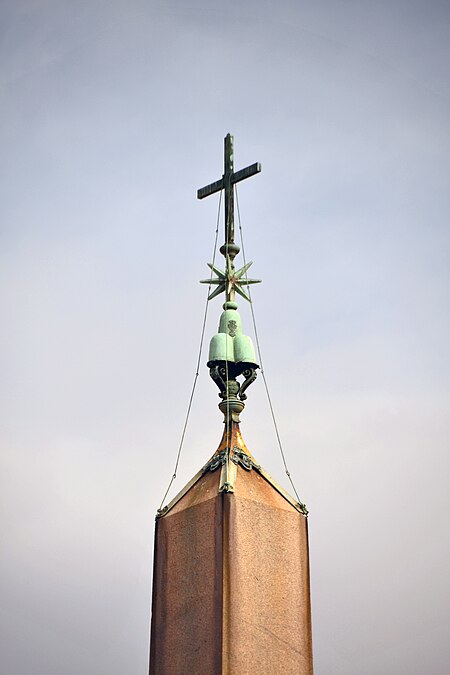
218	373
302	508
250	375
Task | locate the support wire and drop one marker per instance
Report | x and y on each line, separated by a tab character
286	469
174	475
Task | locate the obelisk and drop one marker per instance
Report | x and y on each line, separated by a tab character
231	591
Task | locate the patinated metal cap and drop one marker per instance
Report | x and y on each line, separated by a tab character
229	344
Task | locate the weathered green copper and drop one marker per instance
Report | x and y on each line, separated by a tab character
230	322
244	351
229	344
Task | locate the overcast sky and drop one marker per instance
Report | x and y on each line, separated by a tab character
113	114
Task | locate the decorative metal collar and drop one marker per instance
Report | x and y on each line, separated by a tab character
236	455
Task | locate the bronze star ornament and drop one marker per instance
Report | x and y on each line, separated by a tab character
230	281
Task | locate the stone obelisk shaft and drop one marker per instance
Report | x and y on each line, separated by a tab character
231	583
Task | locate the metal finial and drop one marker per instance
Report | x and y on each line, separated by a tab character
230	280
231	353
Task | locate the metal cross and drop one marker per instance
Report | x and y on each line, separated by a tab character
226	183
230	281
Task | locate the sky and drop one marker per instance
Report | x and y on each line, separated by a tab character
113	114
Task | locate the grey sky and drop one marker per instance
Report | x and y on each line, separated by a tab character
113	114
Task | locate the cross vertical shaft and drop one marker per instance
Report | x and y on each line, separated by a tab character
228	281
229	189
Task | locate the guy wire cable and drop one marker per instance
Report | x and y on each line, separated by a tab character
286	469
227	422
198	361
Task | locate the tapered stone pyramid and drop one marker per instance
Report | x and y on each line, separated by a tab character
231	574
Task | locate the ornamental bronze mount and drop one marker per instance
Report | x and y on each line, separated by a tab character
231	353
231	454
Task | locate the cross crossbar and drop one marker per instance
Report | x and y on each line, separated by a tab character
210	189
235	178
226	183
230	281
246	173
